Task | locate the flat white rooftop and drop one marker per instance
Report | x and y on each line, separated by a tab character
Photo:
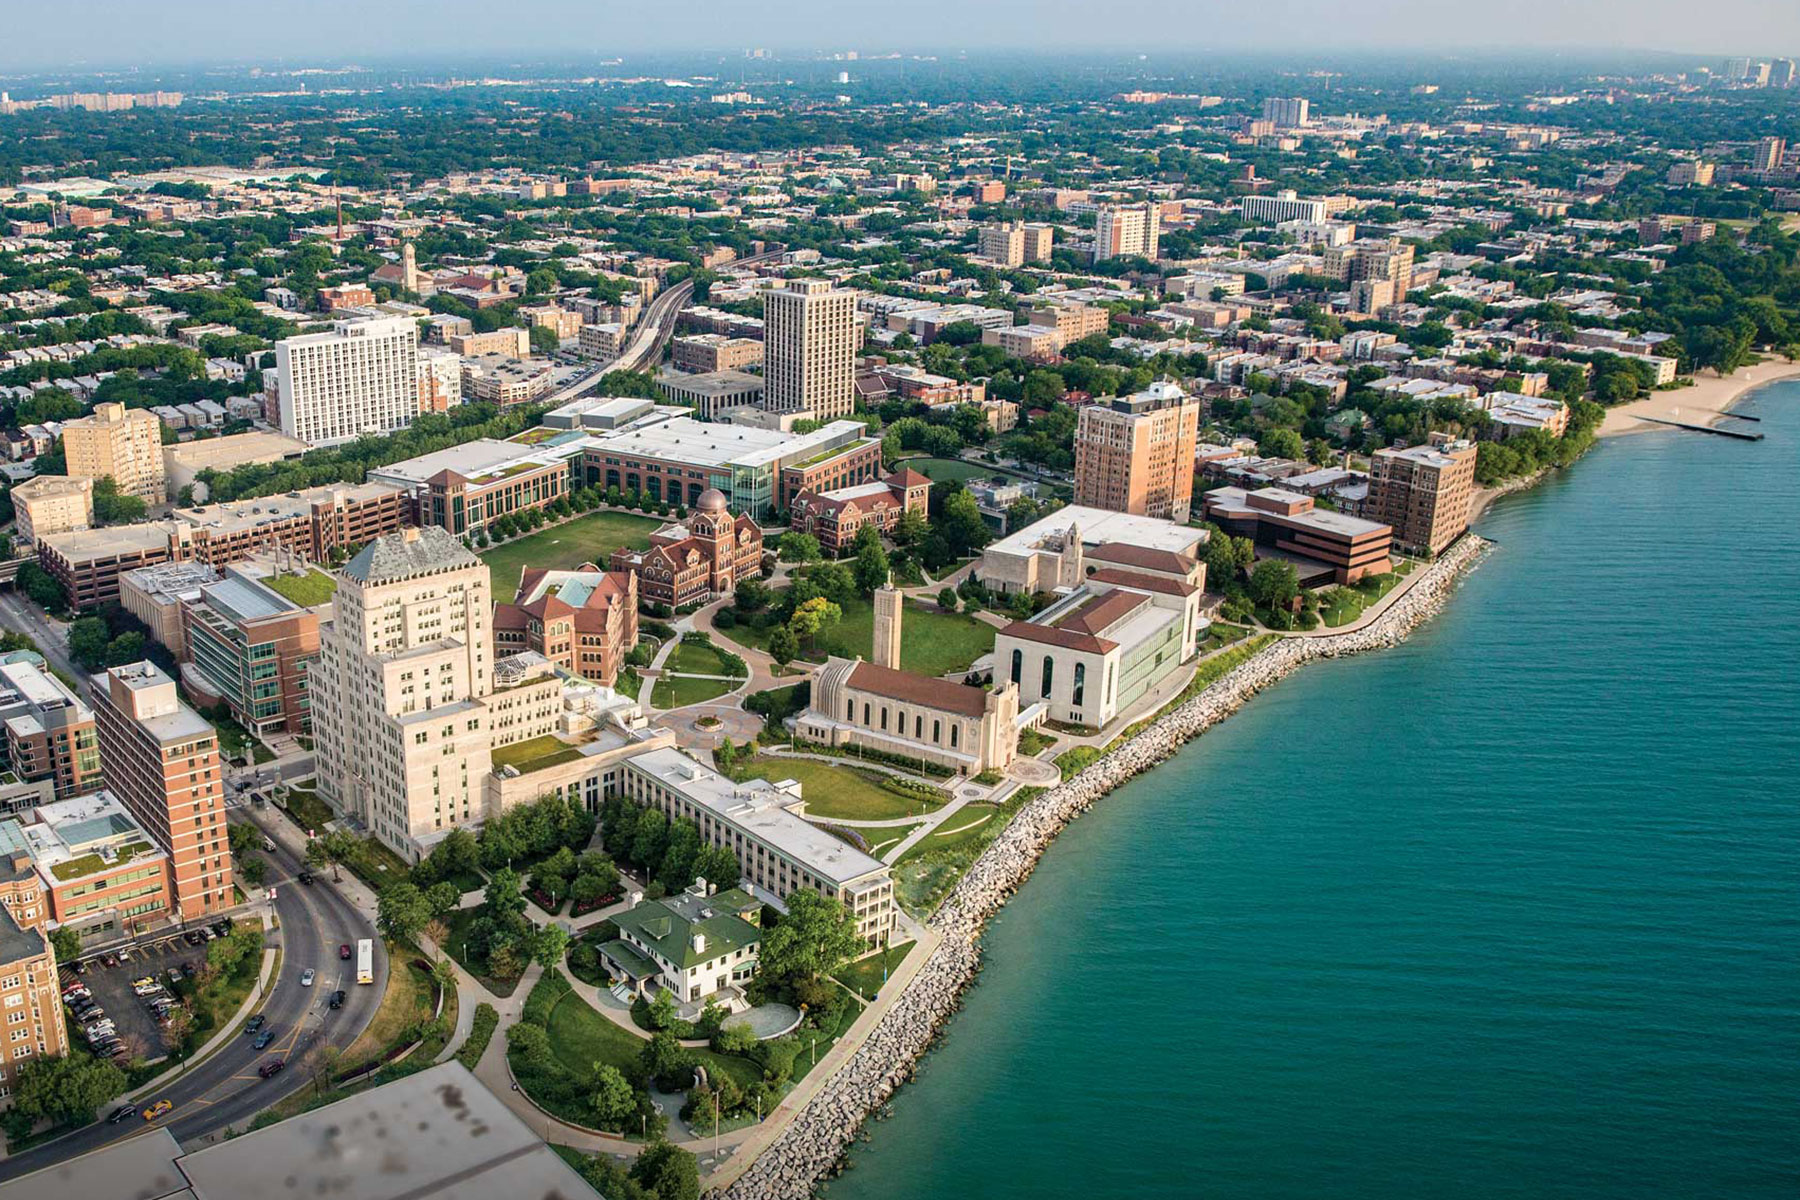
1099	526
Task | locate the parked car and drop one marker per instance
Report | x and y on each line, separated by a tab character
306	977
124	955
121	1112
305	877
344	950
192	937
263	1038
255	1023
270	1069
221	927
337	998
143	981
158	1109
109	960
187	970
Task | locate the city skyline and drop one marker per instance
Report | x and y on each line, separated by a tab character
209	31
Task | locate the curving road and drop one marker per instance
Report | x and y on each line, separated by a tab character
225	1090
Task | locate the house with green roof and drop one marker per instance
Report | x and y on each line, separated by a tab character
697	943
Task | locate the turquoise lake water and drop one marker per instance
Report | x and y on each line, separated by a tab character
1511	911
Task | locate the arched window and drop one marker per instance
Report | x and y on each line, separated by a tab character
849	710
865	712
884	713
918	727
1049	676
937	732
1080	681
954	731
1018	664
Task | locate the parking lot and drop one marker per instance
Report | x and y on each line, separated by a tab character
112	988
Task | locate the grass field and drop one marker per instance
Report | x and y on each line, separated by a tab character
836	793
583	1039
926	873
407	1002
885	839
1342	605
677	692
932	642
955	470
697	658
592	538
865	974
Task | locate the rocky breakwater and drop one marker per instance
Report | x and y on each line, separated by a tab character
813	1146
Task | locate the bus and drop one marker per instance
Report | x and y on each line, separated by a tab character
365	961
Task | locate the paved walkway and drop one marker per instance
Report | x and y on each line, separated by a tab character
1370	614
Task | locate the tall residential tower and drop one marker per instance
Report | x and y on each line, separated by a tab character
809	356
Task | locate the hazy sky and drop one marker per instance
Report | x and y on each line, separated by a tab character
53	36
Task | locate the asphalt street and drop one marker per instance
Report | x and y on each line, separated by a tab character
225	1090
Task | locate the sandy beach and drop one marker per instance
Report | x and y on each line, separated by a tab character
1706	403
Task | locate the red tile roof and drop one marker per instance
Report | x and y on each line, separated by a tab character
919	689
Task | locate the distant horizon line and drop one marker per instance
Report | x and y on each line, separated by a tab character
797	53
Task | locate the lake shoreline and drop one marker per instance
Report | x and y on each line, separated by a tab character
813	1146
1708	402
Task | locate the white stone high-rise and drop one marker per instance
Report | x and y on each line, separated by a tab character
810	337
402	732
360	378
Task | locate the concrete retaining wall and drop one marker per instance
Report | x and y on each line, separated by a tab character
813	1145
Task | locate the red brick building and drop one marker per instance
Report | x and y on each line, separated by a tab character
698	561
585	621
834	516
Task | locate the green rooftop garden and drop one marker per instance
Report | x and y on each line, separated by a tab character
305	588
535	754
88	864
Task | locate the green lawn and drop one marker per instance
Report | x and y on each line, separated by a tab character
837	793
308	811
308	588
1032	743
582	1039
932	642
698	658
676	692
1342	605
885	839
927	872
864	976
968	824
1222	633
587	539
535	754
955	470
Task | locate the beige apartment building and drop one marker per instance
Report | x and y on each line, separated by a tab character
1072	322
1424	492
50	504
162	762
809	356
1014	243
1135	454
1127	231
126	445
706	353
